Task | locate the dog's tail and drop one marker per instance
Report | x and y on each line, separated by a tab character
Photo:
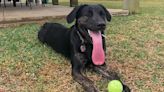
42	33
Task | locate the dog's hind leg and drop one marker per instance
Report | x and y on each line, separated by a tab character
77	68
42	32
109	75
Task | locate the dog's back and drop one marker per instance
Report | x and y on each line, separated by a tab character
56	36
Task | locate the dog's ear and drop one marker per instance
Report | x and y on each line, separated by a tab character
108	15
73	14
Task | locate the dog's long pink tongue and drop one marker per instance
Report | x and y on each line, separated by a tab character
98	55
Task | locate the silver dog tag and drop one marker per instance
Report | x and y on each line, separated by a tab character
83	48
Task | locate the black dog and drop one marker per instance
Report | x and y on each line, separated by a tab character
83	43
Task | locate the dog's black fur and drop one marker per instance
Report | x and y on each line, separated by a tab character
68	41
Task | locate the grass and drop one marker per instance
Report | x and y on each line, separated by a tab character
135	49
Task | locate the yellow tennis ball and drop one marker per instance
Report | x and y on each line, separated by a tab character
115	86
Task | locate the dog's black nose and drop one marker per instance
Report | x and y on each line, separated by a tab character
101	25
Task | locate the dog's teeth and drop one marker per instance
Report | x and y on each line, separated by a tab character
103	35
88	31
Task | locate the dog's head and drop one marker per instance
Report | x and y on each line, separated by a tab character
92	17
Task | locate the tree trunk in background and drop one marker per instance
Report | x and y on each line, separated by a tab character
73	3
131	5
55	2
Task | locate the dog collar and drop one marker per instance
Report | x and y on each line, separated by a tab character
81	38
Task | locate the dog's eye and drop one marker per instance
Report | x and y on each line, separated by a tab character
101	13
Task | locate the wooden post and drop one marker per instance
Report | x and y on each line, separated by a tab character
55	2
131	5
73	3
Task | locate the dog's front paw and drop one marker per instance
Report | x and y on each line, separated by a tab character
126	88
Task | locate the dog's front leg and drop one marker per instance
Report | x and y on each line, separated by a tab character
77	69
110	75
84	81
105	72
